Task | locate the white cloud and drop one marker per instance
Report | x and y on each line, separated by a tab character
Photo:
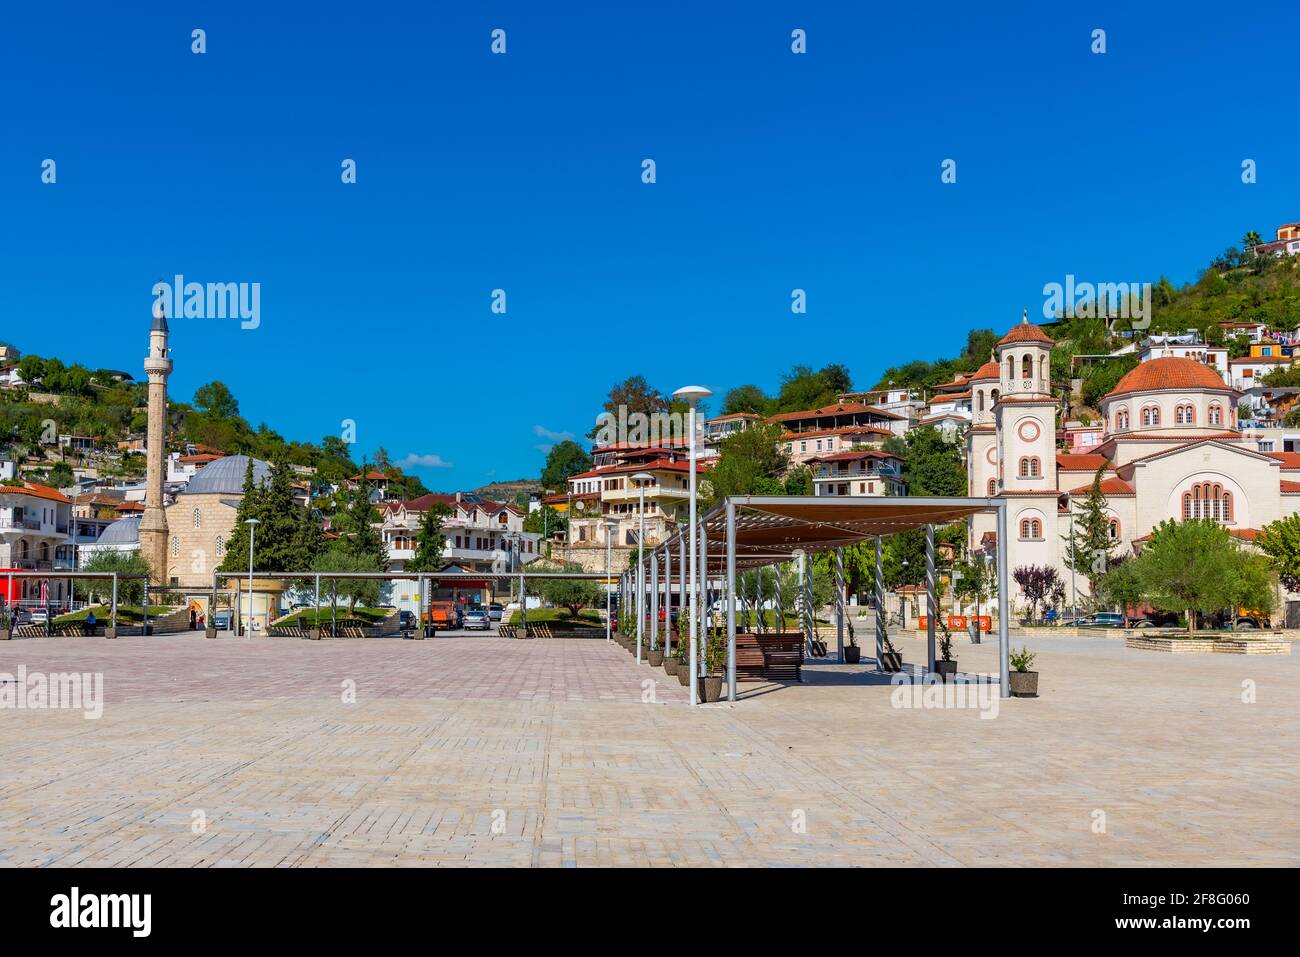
414	461
542	432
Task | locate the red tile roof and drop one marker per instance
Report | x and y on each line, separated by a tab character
1170	372
1109	486
36	491
842	408
1026	332
662	465
1080	462
989	370
1289	487
1289	460
854	456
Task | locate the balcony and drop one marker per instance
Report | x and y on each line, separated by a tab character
844	475
21	524
652	492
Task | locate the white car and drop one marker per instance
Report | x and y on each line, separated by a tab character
477	618
39	616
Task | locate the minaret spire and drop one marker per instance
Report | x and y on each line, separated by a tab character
153	523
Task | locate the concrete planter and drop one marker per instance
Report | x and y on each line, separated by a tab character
1024	684
710	688
670	666
683	674
948	669
656	657
1208	645
852	654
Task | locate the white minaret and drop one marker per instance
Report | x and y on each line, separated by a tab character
153	524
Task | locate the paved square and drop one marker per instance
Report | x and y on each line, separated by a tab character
485	751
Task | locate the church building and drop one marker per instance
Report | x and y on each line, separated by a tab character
1170	449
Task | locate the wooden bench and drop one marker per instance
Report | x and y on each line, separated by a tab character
770	656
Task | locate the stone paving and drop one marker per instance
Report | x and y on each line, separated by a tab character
489	752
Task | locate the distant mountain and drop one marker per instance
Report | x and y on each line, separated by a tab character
508	491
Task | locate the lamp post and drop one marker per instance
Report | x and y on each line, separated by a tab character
642	479
610	526
693	394
252	524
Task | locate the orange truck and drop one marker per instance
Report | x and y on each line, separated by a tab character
441	614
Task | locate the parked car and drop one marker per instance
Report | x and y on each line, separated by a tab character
495	611
39	616
219	620
1102	619
1247	623
406	619
1157	619
477	618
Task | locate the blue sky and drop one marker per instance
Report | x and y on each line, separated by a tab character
522	172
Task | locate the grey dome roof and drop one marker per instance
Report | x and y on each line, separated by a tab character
125	531
226	476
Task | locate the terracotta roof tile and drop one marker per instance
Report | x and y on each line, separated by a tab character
1080	462
1109	486
1026	332
989	370
1170	372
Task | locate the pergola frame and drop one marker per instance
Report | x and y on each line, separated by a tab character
746	532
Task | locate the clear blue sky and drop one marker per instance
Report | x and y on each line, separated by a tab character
522	172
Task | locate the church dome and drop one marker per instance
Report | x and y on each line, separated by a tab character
989	371
1026	331
1171	372
225	476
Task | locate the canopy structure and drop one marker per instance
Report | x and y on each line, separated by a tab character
747	532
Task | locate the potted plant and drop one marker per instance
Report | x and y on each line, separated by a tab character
947	665
890	659
852	653
715	660
683	663
670	660
1024	683
656	656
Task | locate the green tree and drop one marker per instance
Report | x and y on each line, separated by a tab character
363	591
1093	546
546	520
356	521
571	593
1195	566
565	459
749	462
430	540
287	537
1280	541
931	464
216	400
745	398
129	591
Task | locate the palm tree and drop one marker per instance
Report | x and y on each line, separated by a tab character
1251	239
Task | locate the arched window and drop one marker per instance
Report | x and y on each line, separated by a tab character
1011	367
1207	500
993	487
1114	529
1216	414
1185	414
1030	467
221	546
1042	368
1027	368
176	546
1030	529
1151	415
979	400
197	521
1121	420
45	551
993	397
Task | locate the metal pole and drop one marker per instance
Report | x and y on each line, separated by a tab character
704	595
731	600
761	626
640	576
930	602
839	605
695	568
248	628
523	602
608	587
315	612
654	601
880	601
1074	585
1004	640
113	611
144	606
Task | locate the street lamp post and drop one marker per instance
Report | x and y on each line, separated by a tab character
642	479
609	571
252	524
693	394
